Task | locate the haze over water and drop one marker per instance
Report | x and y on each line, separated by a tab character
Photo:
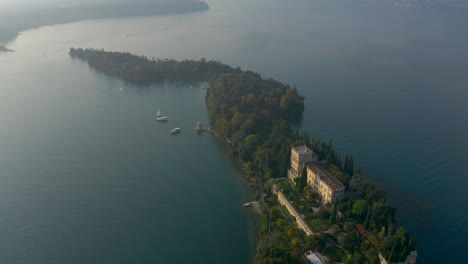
87	176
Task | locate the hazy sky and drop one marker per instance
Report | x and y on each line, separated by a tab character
15	5
18	5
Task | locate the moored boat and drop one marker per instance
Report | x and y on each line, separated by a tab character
175	131
161	118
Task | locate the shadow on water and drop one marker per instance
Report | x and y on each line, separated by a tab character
416	207
246	195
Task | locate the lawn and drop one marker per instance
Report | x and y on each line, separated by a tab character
318	225
336	254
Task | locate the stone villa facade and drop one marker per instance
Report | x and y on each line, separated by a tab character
321	181
318	178
300	156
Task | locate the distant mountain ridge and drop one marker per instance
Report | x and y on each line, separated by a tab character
68	14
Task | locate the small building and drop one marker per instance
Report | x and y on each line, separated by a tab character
300	156
199	126
312	257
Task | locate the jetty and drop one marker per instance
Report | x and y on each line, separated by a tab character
255	205
199	128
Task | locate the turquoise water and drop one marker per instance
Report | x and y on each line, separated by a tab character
89	177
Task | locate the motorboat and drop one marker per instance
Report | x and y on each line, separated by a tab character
175	131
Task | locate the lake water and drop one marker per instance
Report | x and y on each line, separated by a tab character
87	176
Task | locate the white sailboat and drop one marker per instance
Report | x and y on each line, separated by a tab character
161	118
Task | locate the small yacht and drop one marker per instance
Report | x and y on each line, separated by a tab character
175	131
122	89
161	118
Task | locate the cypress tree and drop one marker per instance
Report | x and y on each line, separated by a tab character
389	225
367	219
349	165
302	180
403	253
390	256
331	157
332	218
372	220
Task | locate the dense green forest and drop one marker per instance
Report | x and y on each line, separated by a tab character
254	115
140	69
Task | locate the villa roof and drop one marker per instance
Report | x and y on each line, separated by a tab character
302	149
325	176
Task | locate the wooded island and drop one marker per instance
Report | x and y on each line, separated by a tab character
255	115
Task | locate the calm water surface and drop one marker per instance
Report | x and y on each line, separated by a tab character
87	176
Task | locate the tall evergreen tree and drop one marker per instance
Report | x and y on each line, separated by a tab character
349	165
302	180
372	219
366	221
333	213
390	256
331	157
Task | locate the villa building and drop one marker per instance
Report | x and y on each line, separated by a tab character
318	178
300	156
321	181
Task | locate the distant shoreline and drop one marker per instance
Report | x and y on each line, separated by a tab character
11	24
5	49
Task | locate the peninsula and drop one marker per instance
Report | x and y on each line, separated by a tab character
315	205
4	49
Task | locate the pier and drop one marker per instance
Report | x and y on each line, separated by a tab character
199	128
